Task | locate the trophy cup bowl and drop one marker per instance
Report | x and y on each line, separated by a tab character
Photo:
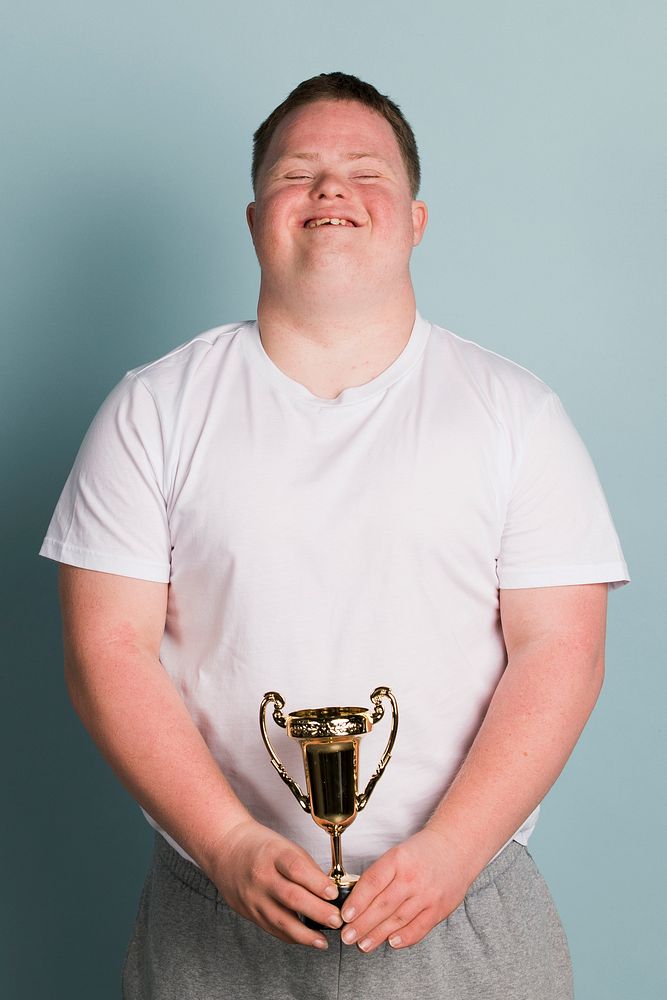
329	740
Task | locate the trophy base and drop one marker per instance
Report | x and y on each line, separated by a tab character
343	892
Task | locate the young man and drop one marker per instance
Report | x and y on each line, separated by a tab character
338	496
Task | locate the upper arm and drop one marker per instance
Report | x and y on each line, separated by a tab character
572	617
103	610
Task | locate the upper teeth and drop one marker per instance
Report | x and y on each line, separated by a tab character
314	223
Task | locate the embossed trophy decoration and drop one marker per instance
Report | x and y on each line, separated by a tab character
329	739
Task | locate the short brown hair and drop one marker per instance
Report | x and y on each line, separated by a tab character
340	87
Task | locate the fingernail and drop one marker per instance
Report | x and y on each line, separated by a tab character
395	940
321	943
349	935
335	920
349	913
365	944
331	892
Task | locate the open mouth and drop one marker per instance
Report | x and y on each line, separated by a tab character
334	221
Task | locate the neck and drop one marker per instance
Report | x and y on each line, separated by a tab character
331	344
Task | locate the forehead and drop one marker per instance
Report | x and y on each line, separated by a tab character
344	126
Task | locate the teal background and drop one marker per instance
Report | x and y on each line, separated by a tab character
124	176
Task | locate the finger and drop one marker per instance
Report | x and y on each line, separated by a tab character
414	931
391	929
295	898
302	870
386	903
391	905
374	881
286	926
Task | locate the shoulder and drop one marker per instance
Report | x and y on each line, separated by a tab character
505	387
151	398
191	361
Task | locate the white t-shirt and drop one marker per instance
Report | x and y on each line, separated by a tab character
323	547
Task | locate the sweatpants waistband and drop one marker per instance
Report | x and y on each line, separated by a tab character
193	877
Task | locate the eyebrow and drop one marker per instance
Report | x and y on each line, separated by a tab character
316	156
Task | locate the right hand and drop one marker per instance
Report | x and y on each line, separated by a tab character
268	879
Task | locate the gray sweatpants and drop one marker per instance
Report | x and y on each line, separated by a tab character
504	942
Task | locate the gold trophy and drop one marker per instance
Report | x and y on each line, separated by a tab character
329	739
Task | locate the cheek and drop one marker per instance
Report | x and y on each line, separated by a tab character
396	221
269	226
273	219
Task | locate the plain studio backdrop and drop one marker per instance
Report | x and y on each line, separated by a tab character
124	175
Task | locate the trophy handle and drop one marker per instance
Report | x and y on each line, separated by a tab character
378	712
279	718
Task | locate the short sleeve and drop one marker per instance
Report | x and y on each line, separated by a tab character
558	529
112	513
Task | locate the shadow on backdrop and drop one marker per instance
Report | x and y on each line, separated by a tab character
77	842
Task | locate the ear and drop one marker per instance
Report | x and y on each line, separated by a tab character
250	217
419	220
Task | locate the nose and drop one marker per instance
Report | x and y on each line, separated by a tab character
328	184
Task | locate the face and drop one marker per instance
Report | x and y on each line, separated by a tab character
333	208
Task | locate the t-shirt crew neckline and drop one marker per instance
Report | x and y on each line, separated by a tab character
405	361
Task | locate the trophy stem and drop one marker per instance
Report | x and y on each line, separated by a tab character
337	872
343	880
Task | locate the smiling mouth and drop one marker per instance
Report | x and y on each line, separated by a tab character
318	223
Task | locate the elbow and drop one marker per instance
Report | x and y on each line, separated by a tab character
597	678
74	684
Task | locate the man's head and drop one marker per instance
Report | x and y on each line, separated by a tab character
340	87
334	218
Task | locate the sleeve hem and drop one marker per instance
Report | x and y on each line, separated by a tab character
73	555
615	574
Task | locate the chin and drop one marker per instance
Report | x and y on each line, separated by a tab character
334	273
333	261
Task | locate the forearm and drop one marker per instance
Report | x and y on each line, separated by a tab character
535	717
554	638
533	721
113	628
136	717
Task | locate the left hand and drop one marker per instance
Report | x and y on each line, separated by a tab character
405	893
